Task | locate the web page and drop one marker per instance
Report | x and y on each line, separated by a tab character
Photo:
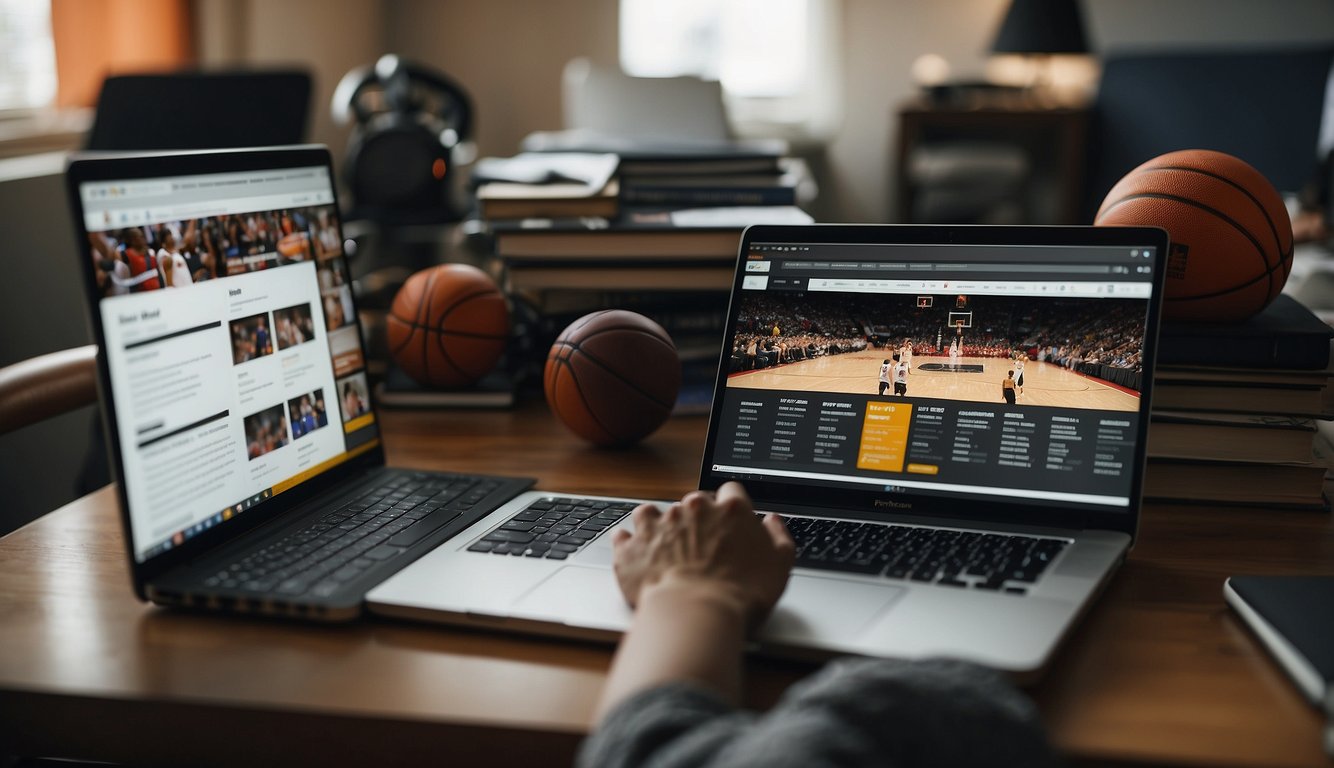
972	371
236	365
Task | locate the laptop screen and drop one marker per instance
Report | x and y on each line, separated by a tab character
235	358
955	372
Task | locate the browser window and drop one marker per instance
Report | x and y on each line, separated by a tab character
235	358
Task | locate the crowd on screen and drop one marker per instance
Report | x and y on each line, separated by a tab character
179	253
772	330
770	333
1085	337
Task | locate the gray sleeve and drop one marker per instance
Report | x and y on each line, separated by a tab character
933	714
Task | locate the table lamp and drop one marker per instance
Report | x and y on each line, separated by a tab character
1039	28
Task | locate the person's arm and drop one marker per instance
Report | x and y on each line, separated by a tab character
700	575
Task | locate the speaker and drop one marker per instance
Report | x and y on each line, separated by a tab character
412	128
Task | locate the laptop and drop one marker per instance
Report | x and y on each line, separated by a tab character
242	431
951	421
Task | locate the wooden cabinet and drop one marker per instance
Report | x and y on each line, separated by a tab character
1029	158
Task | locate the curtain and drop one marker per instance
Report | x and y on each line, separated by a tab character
96	38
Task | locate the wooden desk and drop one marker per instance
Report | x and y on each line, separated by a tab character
1158	672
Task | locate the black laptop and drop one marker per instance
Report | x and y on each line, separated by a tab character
242	429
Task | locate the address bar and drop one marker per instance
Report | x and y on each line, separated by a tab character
1053	288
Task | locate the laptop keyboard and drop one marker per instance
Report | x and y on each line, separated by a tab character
553	528
952	558
342	545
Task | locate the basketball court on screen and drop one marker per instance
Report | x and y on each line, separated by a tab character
977	379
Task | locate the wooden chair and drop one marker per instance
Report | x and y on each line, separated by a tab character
48	385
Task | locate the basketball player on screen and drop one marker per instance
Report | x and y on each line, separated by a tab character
906	354
1019	359
954	354
900	377
884	377
1007	387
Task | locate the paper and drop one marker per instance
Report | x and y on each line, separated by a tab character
593	170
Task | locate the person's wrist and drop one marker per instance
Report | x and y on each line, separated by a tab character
676	587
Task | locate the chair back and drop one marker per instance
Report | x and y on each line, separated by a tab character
201	110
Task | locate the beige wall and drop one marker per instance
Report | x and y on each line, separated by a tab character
508	54
327	37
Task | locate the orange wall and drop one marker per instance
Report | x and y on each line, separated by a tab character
94	38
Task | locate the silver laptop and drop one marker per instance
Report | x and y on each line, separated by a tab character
249	463
951	420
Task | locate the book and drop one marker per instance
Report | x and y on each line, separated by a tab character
398	390
1287	486
1284	335
1293	616
685	191
1286	400
698	233
1257	438
1198	374
508	200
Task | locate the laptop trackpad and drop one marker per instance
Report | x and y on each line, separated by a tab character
825	610
581	597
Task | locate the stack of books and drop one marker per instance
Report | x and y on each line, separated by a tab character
1241	411
659	236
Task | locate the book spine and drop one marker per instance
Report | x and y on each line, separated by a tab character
687	197
1299	353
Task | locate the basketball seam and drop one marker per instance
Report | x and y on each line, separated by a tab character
593	358
1273	230
406	342
632	328
440	344
445	313
580	392
1268	271
411	324
430	298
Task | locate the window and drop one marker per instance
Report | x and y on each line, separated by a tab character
27	55
773	57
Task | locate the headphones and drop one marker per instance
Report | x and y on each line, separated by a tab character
413	127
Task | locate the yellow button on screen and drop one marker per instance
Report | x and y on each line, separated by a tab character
923	469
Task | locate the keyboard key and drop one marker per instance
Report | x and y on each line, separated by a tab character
423	529
382	552
509	536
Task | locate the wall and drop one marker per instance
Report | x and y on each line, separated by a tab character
507	53
326	37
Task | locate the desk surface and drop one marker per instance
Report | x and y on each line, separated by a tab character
1159	671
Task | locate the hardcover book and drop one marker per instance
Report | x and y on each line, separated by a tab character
1285	335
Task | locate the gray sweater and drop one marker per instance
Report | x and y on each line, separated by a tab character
857	712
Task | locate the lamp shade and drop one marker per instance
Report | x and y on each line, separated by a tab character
1041	26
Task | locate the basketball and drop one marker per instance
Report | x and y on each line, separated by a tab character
1231	238
612	377
448	326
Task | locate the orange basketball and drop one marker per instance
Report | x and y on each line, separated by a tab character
448	325
1231	236
612	377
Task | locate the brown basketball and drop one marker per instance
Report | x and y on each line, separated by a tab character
1231	246
612	377
448	325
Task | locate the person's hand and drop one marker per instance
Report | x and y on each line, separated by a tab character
715	543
